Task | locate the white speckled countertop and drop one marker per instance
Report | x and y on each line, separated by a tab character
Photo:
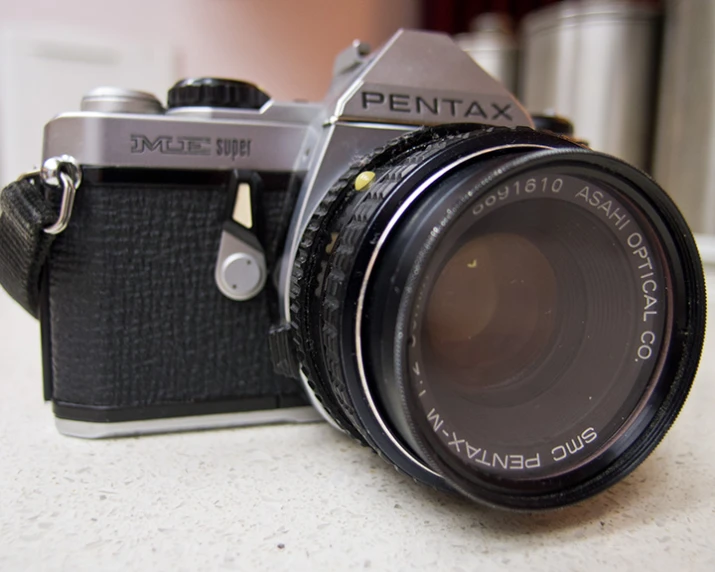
307	498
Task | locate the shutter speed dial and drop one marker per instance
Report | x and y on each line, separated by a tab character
216	92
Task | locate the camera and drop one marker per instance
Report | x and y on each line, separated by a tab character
495	309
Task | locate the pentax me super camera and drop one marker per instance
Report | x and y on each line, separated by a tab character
497	310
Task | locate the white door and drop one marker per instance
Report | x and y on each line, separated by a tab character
46	70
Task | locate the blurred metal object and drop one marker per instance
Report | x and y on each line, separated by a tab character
492	44
553	123
706	246
684	160
594	61
350	57
120	100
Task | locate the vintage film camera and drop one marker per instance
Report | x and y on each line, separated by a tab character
495	309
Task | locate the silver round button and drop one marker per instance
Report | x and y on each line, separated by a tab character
119	100
242	276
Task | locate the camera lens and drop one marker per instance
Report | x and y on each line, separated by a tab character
536	327
505	315
490	312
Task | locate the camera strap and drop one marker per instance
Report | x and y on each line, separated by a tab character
24	244
29	224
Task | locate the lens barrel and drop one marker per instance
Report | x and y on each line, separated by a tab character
500	313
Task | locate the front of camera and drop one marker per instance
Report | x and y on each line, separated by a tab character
504	313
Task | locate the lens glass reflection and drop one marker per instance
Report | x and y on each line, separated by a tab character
530	328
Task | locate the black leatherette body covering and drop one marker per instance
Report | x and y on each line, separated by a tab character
134	315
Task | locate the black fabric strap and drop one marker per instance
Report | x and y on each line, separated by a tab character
24	246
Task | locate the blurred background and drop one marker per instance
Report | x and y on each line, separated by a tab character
636	77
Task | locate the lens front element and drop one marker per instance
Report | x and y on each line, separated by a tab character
537	326
490	313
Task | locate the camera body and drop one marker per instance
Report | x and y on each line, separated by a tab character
165	304
494	308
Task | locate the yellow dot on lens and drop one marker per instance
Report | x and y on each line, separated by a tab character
363	180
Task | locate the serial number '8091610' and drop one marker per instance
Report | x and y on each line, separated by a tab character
543	185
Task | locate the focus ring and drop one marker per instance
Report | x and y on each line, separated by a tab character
316	269
359	213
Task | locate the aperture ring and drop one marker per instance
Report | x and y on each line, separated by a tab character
320	241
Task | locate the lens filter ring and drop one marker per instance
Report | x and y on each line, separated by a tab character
648	224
